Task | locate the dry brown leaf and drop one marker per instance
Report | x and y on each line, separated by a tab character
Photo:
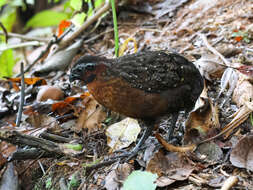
42	121
243	93
170	167
242	96
115	178
202	122
209	66
91	117
239	117
211	151
242	154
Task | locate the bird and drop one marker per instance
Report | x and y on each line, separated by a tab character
146	85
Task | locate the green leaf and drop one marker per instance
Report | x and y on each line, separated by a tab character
76	4
2	2
8	19
48	183
98	3
6	63
76	147
139	180
46	18
78	19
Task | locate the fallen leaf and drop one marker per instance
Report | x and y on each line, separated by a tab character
247	70
242	154
211	151
29	81
115	178
170	167
209	66
202	122
91	117
122	134
229	78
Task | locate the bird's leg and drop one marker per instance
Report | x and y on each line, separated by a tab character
147	132
172	127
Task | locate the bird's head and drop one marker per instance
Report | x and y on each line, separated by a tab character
87	68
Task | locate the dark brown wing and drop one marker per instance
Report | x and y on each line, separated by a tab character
153	71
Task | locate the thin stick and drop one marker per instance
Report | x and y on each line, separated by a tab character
212	49
51	42
20	45
24	37
87	23
22	95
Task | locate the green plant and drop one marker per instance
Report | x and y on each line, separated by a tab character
115	27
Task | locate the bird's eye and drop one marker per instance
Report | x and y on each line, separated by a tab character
90	66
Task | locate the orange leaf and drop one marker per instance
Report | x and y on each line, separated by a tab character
238	38
62	26
70	99
28	81
84	95
59	105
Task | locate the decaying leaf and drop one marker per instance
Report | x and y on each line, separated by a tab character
229	78
209	66
170	167
211	151
42	121
168	6
115	178
242	154
242	96
243	93
202	122
247	70
122	134
91	117
29	81
240	116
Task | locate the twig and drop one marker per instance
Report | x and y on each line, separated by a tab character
51	42
17	138
230	182
41	167
99	165
22	44
5	33
99	35
24	37
212	49
22	95
87	23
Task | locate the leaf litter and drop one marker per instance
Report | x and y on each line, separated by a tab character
229	94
